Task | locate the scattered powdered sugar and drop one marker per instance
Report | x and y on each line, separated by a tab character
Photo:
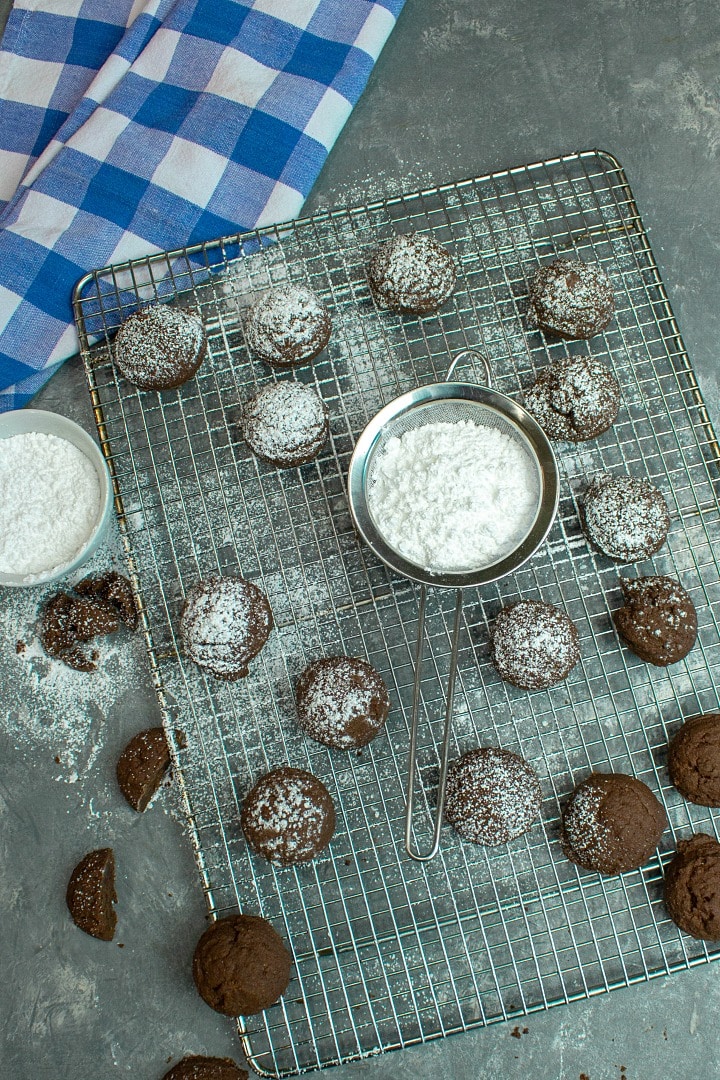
49	503
453	496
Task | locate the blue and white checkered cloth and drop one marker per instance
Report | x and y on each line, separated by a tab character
134	126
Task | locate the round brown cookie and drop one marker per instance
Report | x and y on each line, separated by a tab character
288	325
91	894
492	796
197	1067
241	965
341	702
288	816
575	398
694	759
692	887
142	765
160	347
411	273
224	624
611	823
285	424
625	517
571	298
658	621
534	645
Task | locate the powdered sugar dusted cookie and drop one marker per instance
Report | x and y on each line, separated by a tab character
160	347
658	620
341	701
626	517
224	624
288	816
288	325
411	273
492	796
285	424
572	298
534	645
575	398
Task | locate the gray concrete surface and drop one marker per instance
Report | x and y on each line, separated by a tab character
463	87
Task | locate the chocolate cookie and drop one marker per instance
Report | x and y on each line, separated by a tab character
160	347
692	887
571	298
288	817
625	517
197	1067
91	894
574	398
341	702
241	965
658	621
612	823
492	796
288	325
411	273
285	424
114	591
694	760
224	624
534	645
142	765
68	622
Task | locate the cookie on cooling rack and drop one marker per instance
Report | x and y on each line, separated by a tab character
571	298
91	894
694	759
241	965
625	517
342	702
287	326
198	1067
285	424
574	399
160	347
288	816
658	619
224	624
534	645
492	796
411	273
611	823
692	887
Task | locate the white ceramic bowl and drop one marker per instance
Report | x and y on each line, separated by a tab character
21	421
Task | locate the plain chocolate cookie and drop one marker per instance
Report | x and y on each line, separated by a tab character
694	759
241	965
534	645
411	273
285	424
341	702
288	325
625	517
692	887
574	398
658	621
288	816
571	298
160	347
91	894
142	765
611	823
492	796
224	624
197	1067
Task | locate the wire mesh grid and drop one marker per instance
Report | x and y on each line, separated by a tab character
389	952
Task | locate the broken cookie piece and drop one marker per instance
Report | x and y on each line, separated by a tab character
142	765
115	591
67	622
91	894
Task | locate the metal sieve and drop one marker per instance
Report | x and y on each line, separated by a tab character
449	402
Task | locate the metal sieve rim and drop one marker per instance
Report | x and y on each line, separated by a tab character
510	410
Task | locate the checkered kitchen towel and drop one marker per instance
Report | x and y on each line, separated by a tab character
134	126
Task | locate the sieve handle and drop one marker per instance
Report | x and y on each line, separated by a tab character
447	731
471	355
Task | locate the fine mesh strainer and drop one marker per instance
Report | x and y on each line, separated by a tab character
449	402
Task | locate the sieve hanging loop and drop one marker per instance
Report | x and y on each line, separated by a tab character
471	355
453	402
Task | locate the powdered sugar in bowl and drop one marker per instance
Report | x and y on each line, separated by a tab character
56	497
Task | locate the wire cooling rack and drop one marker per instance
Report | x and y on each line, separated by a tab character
389	952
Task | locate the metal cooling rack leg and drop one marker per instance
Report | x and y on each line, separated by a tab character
447	731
